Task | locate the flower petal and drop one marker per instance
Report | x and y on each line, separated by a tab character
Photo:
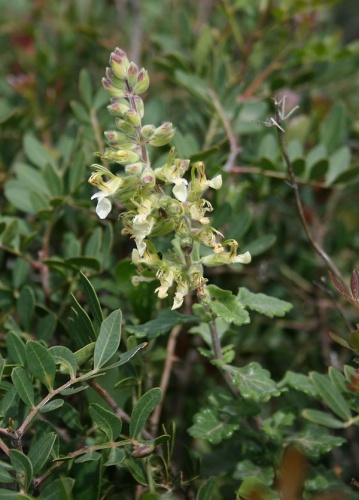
180	189
103	207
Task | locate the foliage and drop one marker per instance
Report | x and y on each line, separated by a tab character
106	391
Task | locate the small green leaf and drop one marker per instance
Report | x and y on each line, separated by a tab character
108	340
23	468
85	87
331	396
164	322
246	468
125	357
92	300
334	128
60	489
85	354
35	152
23	386
41	363
261	245
65	358
116	456
80	112
16	349
226	306
254	382
210	427
207	490
322	418
52	405
142	410
300	382
107	421
82	326
314	441
40	451
26	306
91	456
264	304
339	163
83	262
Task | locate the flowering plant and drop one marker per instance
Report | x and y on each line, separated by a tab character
158	201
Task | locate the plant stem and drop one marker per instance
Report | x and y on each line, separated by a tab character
315	245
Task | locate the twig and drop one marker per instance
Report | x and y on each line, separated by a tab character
317	248
170	358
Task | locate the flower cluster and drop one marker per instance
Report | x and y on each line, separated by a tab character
157	201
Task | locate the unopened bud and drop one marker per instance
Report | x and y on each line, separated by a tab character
143	451
132	73
111	89
119	63
143	82
148	176
163	135
134	168
125	156
132	117
148	131
110	75
118	107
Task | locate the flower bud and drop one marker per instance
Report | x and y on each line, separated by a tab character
143	451
119	63
143	82
125	156
126	128
132	117
139	105
148	177
148	131
111	89
118	107
134	168
132	73
110	75
162	135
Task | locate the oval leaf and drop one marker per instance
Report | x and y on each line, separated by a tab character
331	396
108	340
23	386
142	410
41	363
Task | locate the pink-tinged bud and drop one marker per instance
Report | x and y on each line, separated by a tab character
132	73
118	108
143	82
110	75
132	117
148	131
134	168
119	63
111	89
148	177
126	128
139	105
162	135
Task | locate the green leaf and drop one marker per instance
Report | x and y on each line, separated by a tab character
5	477
314	441
264	304
208	426
142	410
226	306
41	363
26	306
261	245
92	299
23	386
322	418
164	322
82	327
116	457
125	357
40	451
334	128
299	382
23	468
35	151
137	469
254	382
80	112
52	405
253	487
107	421
108	340
53	181
331	396
65	358
85	87
2	365
83	262
246	468
207	490
338	379
339	163
15	348
84	354
91	456
60	489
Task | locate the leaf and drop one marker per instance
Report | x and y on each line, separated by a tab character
60	489
299	382
85	354
108	340
82	325
253	488
83	262
314	441
261	245
92	300
254	382
41	363
40	451
142	410
338	379
164	322
125	357
23	468
23	386
52	405
85	87
206	491
88	457
354	340
322	418
107	421
246	468
80	112
26	306
334	128
65	358
226	306
339	163
35	151
330	395
15	348
339	340
116	457
208	426
264	304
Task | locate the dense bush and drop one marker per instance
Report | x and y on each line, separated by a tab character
189	331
